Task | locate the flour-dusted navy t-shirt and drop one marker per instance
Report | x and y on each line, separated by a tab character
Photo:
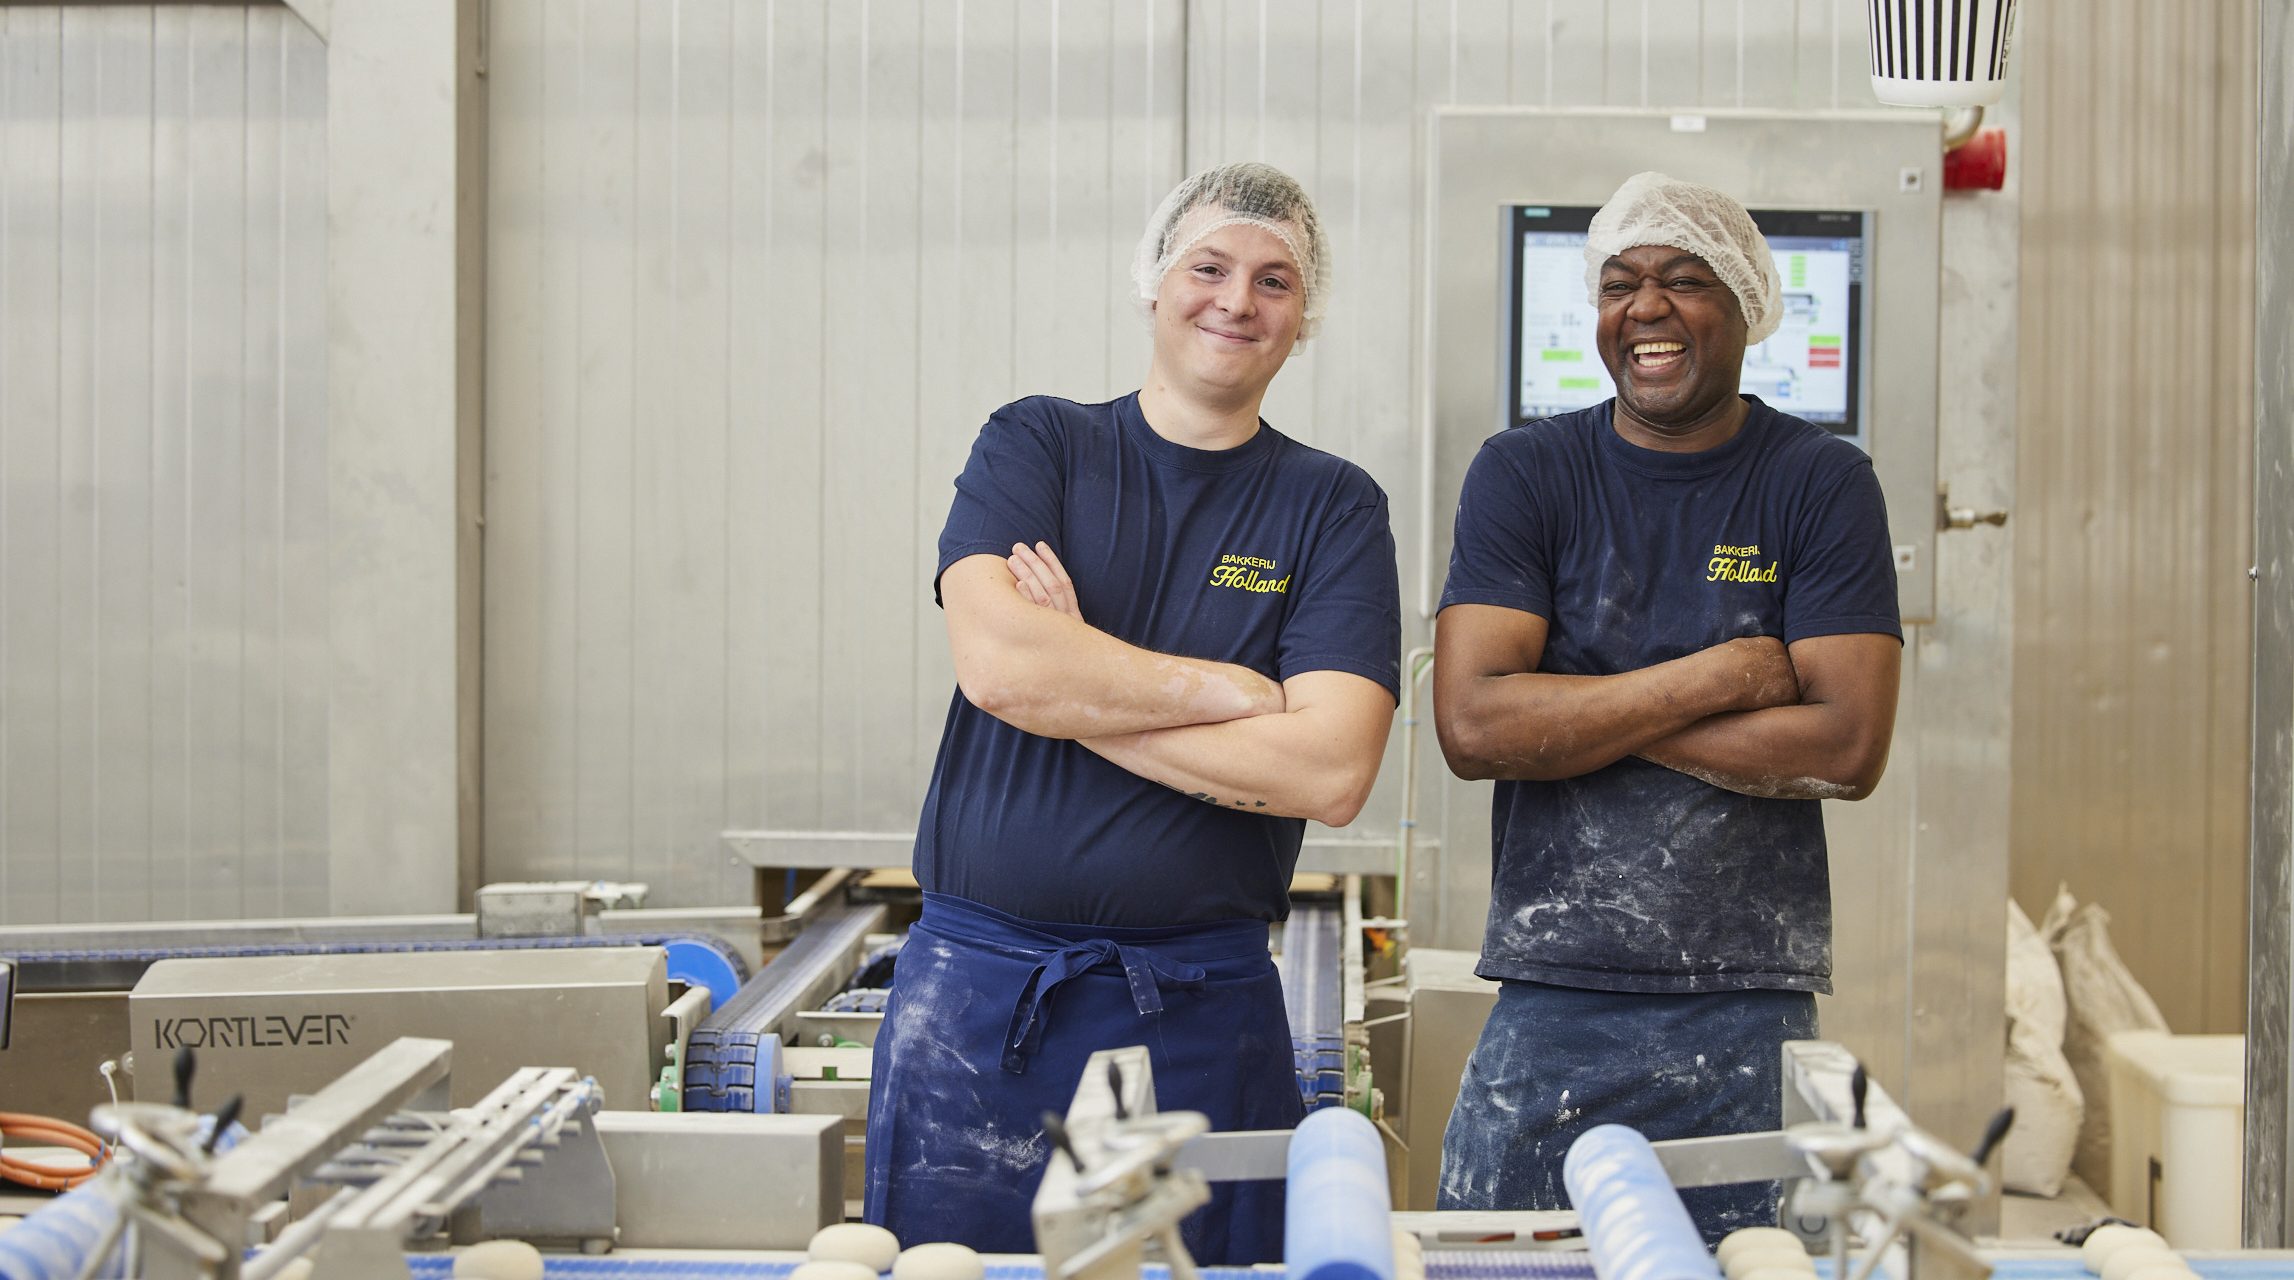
1635	877
1271	555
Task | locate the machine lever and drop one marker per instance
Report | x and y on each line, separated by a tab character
1992	1133
186	1065
225	1116
1115	1087
1859	1086
1055	1129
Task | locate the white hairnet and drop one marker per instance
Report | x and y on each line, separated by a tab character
1257	194
1654	209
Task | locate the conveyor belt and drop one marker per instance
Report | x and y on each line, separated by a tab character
1311	996
722	1055
1441	1265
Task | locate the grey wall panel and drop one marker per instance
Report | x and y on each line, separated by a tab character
163	632
758	274
2135	533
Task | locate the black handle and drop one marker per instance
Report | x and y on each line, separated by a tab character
1859	1087
186	1065
1056	1129
1115	1086
1993	1132
225	1116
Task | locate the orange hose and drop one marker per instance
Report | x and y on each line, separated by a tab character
55	1133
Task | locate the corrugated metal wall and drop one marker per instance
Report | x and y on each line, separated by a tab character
758	273
163	480
2134	532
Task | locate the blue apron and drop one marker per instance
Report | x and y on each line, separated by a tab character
990	1022
1553	1062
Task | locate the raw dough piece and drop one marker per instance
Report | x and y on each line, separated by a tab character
8	1220
833	1269
1778	1273
299	1269
1746	1261
2127	1259
940	1262
2180	1271
499	1260
1408	1242
871	1246
1756	1238
2111	1237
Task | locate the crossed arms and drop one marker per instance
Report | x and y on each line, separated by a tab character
1308	747
1809	722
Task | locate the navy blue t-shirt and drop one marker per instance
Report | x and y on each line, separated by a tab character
1635	877
1271	555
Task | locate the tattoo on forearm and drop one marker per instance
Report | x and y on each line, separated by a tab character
1207	798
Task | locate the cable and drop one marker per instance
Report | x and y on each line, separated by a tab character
55	1133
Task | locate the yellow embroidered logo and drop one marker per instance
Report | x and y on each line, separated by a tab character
1738	564
1242	573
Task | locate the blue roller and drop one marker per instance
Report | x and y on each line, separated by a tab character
1337	1218
57	1241
1634	1223
704	963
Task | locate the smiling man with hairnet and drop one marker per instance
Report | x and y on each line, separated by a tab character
1669	630
1177	636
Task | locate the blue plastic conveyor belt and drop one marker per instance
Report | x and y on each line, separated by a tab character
1440	1265
721	1054
1310	994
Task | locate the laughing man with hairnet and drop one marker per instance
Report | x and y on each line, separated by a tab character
1669	630
1177	637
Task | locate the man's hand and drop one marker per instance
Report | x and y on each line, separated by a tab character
1039	575
1498	716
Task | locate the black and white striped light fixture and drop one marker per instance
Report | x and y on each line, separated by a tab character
1940	53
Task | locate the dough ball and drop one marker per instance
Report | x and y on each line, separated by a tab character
1777	1273
2112	1236
871	1246
1409	1243
499	1260
938	1262
2127	1259
1409	1266
1771	1258
299	1269
8	1220
833	1269
1756	1238
2179	1271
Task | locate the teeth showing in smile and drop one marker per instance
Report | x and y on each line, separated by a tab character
1650	355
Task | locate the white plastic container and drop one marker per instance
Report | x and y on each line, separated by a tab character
1926	53
2178	1132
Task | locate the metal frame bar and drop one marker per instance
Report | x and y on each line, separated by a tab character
2270	902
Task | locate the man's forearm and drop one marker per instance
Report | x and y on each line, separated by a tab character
1783	753
1056	677
1291	765
1541	726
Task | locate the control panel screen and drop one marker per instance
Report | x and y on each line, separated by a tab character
1812	368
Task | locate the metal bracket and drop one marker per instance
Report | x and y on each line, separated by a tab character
7	998
1951	517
